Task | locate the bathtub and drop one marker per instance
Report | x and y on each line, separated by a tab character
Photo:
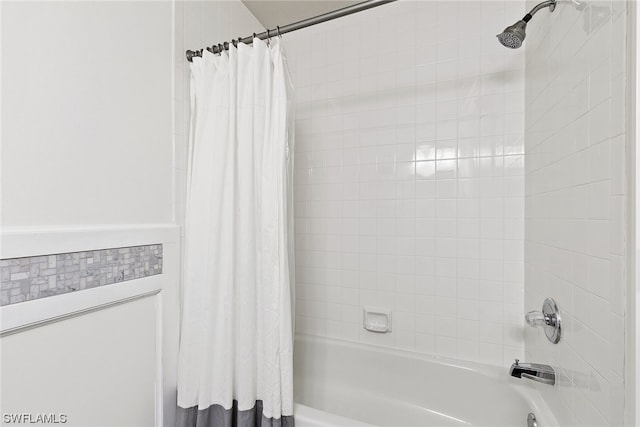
337	383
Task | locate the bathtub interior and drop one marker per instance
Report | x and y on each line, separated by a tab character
393	388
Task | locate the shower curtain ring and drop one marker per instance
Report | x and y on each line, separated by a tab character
268	38
220	49
254	35
278	30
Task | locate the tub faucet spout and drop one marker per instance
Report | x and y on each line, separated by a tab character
533	371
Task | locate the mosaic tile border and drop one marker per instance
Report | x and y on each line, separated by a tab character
30	278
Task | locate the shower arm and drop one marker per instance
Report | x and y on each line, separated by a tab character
551	4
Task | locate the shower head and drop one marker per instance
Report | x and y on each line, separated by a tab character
513	36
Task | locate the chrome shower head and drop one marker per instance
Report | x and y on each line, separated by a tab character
513	36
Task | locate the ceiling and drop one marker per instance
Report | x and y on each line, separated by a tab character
272	13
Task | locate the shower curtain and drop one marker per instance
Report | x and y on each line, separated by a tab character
236	344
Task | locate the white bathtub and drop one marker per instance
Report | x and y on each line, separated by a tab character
337	383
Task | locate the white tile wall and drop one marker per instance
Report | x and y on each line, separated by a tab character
575	202
409	186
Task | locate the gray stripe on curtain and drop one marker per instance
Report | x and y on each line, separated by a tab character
217	416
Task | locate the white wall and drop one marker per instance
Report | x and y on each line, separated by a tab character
575	204
409	177
34	322
109	362
86	113
87	151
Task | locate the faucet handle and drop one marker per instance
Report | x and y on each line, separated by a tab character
536	318
548	318
517	362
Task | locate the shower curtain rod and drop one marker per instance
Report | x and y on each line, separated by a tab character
339	13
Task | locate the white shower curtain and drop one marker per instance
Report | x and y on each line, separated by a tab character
236	344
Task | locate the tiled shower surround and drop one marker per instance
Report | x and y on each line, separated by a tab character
576	199
29	278
409	185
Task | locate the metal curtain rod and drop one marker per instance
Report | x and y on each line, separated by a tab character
359	7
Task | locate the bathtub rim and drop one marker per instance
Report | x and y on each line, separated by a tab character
312	417
480	367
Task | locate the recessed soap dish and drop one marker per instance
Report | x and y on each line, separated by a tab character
377	319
